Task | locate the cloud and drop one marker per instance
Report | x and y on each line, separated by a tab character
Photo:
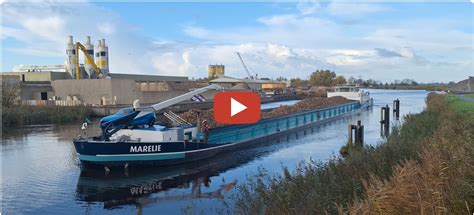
287	44
354	10
197	32
307	8
278	51
106	28
387	53
277	20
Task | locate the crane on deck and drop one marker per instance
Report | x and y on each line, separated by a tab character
140	116
245	67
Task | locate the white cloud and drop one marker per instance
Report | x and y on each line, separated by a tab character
17	67
278	51
106	28
277	20
197	32
307	8
49	28
289	45
346	9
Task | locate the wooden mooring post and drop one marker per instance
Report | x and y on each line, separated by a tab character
385	120
396	109
356	134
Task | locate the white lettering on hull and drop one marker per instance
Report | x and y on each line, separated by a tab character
152	148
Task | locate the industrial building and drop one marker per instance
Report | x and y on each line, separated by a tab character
91	83
269	87
464	86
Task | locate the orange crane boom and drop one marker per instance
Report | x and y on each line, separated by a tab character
88	57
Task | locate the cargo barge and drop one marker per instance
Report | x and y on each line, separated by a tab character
131	138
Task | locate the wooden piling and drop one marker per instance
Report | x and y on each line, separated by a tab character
396	109
359	133
356	134
385	120
349	129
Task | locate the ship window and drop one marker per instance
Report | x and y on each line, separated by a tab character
90	52
102	54
73	51
97	54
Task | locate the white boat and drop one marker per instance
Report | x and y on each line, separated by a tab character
352	92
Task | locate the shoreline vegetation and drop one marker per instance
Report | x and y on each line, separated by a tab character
18	115
427	87
14	114
424	167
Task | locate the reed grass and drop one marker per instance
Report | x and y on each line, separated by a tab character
424	167
26	115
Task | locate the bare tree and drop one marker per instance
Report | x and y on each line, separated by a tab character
10	92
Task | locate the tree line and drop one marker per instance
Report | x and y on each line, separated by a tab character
329	78
319	78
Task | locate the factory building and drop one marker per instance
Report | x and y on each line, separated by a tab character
89	83
122	91
92	83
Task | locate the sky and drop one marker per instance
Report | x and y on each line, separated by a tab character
385	41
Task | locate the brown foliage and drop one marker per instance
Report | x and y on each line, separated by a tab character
439	183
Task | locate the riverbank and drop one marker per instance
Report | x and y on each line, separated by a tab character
426	87
25	115
425	166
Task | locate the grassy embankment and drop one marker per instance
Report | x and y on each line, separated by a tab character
425	167
24	115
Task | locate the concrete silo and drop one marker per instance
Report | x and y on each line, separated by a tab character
102	57
87	63
71	62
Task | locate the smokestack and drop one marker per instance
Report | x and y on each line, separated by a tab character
103	42
70	40
88	40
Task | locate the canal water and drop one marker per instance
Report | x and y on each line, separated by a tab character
41	172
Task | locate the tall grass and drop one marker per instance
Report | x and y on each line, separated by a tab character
381	179
24	115
441	181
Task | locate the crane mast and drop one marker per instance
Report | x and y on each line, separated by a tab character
245	67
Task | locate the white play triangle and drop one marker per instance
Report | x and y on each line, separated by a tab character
236	107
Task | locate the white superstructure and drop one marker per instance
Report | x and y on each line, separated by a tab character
351	92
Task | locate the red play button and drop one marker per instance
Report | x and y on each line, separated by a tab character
236	107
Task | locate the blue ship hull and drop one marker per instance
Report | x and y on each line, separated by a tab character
224	139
